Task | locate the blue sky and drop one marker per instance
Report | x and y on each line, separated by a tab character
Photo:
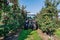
33	6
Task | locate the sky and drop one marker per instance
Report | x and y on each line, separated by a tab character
33	6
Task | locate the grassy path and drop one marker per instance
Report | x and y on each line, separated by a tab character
36	35
43	36
29	35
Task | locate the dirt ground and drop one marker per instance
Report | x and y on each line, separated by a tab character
44	36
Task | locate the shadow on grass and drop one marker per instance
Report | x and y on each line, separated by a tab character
24	34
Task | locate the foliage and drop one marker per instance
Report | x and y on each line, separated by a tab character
53	4
46	24
45	18
10	19
57	33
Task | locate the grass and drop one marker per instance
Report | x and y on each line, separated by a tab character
23	34
57	33
29	35
35	35
58	30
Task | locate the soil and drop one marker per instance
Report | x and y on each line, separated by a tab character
44	36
